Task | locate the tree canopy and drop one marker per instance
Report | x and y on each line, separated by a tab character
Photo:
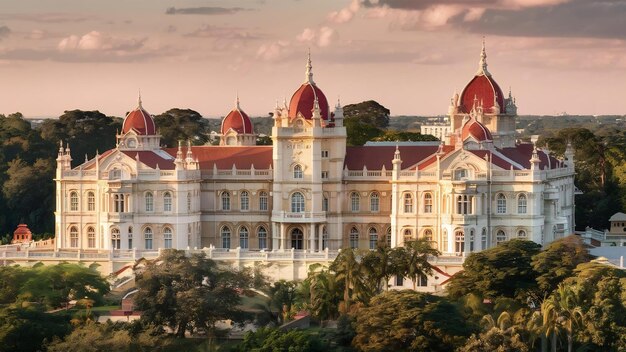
181	125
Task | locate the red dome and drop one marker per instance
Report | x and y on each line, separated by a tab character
303	99
484	89
238	121
476	130
140	121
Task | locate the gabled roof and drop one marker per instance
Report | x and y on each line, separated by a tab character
522	153
152	159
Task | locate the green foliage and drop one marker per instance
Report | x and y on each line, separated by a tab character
392	136
409	321
496	340
189	293
504	270
369	112
181	125
274	340
26	329
283	296
359	132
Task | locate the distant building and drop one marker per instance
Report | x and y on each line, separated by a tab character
438	127
22	234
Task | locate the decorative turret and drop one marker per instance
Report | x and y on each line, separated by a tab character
138	130
237	127
338	114
302	101
569	155
482	64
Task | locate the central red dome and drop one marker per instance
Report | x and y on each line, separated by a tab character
303	100
238	121
140	121
485	90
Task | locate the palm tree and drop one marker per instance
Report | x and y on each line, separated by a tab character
325	295
417	265
562	313
347	269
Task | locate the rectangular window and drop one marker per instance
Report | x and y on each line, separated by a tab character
422	281
263	201
324	153
325	204
91	202
324	174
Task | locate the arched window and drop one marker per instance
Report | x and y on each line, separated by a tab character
91	237
471	240
428	236
373	238
500	237
91	201
408	203
464	204
428	203
325	204
225	200
459	242
225	233
167	202
324	238
74	237
119	203
297	239
408	235
263	201
355	202
354	238
374	202
501	203
116	241
521	234
244	201
130	237
167	237
243	237
297	172
461	174
483	239
388	237
297	202
149	198
147	237
73	201
262	234
521	204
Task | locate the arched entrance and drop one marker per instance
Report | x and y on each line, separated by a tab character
297	238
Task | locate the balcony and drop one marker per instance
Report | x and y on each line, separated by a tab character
300	217
119	217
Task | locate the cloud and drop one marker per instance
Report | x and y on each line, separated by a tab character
96	41
46	17
40	34
206	10
4	32
210	31
274	51
322	37
346	14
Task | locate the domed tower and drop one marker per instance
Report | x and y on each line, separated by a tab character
138	131
482	98
237	128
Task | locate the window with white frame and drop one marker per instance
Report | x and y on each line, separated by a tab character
324	154
500	237
428	236
461	174
483	239
225	234
422	280
521	234
130	237
408	235
459	242
325	203
167	237
244	201
147	237
263	201
73	201
373	238
472	239
324	174
297	239
225	200
521	204
428	203
74	237
374	202
262	235
149	198
116	240
91	237
501	203
297	202
91	201
167	202
355	202
118	200
464	204
243	237
297	172
408	203
354	238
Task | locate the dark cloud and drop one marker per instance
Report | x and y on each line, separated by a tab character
4	32
204	10
579	18
424	4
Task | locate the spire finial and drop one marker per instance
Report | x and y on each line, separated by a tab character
308	78
338	101
237	101
482	65
139	100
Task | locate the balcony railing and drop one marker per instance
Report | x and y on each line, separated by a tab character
305	216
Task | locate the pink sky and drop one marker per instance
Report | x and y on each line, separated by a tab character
409	55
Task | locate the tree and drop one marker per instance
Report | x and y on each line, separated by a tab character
558	261
392	136
504	270
188	293
283	295
325	294
417	265
359	133
409	321
348	269
365	121
562	314
26	329
271	340
180	125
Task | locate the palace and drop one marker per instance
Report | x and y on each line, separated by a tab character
310	192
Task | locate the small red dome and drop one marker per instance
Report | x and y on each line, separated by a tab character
303	99
238	121
140	121
476	130
484	89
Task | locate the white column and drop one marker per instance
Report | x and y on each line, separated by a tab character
312	238
282	236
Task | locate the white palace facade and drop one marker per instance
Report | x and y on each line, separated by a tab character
310	192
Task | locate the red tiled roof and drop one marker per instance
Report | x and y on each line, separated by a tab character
225	156
140	121
22	229
522	153
374	157
483	88
476	130
303	99
151	159
495	159
238	121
